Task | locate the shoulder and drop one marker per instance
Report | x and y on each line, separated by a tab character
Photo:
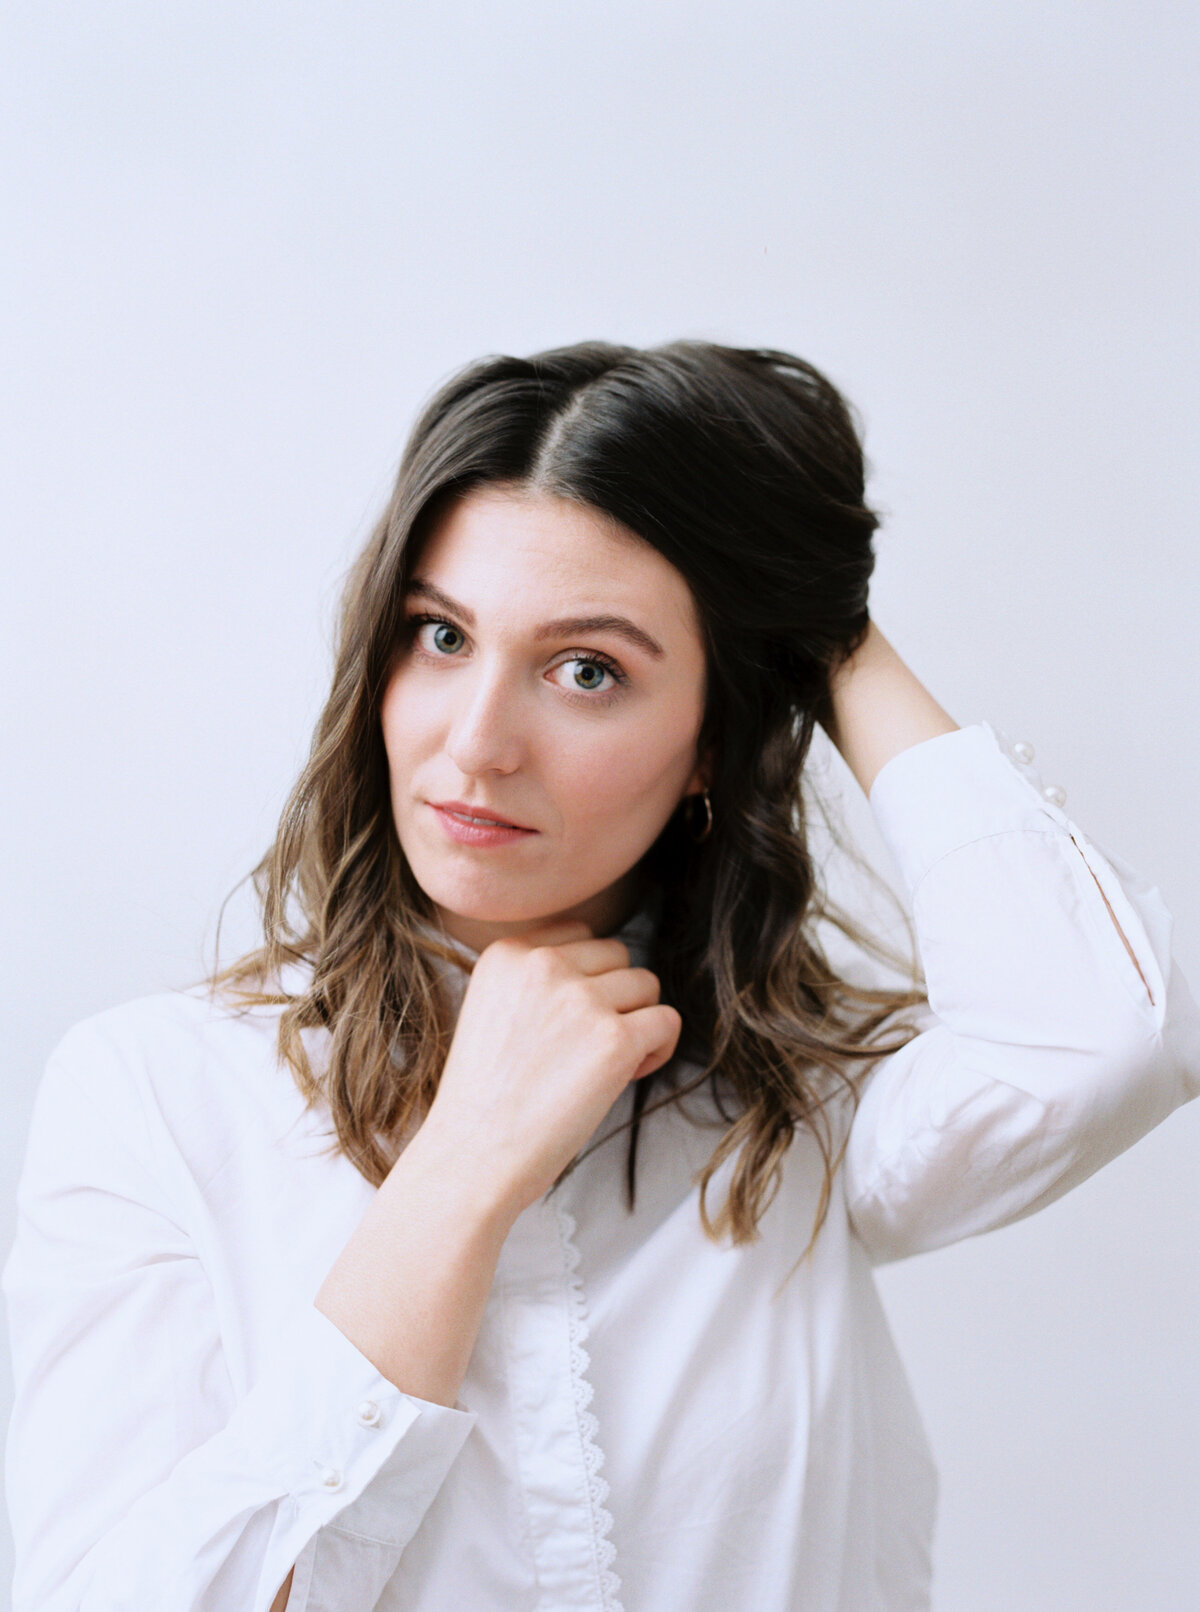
180	1070
154	1033
186	1007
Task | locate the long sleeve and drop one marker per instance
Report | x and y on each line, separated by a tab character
136	1478
1046	1052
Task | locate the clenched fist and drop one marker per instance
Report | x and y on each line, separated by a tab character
554	1024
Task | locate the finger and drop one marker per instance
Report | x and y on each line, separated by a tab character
656	1032
595	956
627	989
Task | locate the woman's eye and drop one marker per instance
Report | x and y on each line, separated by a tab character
594	674
588	676
446	638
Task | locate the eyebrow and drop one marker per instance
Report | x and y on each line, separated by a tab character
561	627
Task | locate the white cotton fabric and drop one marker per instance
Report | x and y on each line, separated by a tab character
650	1422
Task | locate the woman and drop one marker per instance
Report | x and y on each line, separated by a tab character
500	1234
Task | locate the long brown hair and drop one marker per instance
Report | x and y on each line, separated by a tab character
744	469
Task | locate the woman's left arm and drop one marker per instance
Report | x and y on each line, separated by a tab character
1062	1029
879	707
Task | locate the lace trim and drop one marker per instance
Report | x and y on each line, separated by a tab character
581	1388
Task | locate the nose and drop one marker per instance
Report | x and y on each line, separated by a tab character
484	733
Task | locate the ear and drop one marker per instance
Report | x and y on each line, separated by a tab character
701	779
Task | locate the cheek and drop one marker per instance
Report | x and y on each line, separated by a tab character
399	718
629	773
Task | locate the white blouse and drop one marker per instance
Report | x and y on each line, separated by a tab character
649	1421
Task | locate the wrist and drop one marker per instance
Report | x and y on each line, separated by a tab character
448	1168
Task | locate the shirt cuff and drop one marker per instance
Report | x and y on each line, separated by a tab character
945	792
340	1419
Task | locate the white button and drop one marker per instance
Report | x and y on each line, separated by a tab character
1055	795
1023	751
331	1478
368	1413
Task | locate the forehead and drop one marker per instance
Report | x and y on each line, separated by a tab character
495	546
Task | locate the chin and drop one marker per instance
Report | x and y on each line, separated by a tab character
492	906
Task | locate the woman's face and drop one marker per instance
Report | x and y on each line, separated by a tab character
560	686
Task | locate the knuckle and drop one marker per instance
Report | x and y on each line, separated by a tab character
581	993
610	1035
506	948
544	963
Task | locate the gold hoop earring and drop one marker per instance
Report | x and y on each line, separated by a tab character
708	818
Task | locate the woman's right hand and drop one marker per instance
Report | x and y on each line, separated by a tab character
553	1025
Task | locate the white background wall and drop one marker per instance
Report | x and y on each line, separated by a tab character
250	239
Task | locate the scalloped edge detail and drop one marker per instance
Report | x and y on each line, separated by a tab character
581	1389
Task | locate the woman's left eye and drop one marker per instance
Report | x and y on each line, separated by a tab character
590	672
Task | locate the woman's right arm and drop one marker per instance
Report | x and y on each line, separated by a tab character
135	1477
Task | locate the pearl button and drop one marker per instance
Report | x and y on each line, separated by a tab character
1055	795
331	1478
368	1413
1023	751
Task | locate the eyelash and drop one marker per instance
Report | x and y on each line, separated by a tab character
592	657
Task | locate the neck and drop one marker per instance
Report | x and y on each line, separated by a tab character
604	913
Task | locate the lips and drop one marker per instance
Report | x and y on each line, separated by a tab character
478	814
